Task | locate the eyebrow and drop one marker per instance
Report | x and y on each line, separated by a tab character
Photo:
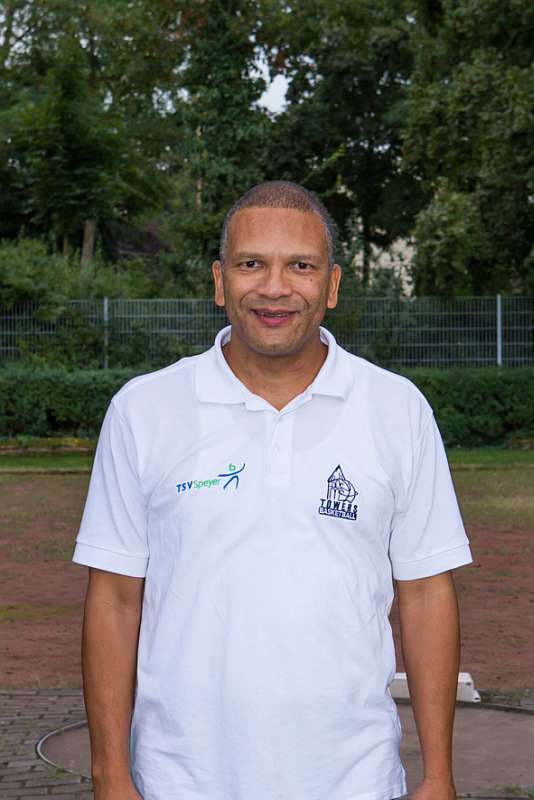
246	256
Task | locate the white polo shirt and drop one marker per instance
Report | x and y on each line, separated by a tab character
268	540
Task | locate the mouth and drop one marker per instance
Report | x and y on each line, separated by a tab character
271	317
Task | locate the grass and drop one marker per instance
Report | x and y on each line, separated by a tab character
43	550
27	612
39	514
46	461
489	457
497	497
516	789
494	495
495	486
459	458
26	441
506	696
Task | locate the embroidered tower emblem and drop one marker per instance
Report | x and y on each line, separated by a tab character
340	495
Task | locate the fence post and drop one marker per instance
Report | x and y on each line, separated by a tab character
499	330
106	332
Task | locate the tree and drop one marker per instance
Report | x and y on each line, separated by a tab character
126	110
86	93
470	135
348	64
221	132
69	153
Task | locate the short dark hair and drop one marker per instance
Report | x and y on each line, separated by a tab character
281	194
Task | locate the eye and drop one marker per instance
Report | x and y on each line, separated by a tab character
250	264
301	266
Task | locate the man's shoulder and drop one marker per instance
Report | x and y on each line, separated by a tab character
386	388
151	392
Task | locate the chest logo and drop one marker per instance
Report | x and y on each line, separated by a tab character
340	496
231	478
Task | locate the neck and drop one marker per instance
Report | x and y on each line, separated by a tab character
278	379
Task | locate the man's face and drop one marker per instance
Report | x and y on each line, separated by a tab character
276	285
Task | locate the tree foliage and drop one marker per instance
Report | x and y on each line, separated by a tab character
82	128
348	64
221	132
142	118
470	135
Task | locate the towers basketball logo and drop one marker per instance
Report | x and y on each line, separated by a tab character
340	496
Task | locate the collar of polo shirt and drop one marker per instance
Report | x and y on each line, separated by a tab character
216	383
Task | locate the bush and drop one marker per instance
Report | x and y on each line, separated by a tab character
481	406
56	402
484	406
29	273
32	271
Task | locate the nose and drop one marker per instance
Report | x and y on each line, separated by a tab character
275	282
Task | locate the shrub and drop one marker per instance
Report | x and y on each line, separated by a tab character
483	406
480	406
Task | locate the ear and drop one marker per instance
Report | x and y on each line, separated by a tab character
333	285
217	272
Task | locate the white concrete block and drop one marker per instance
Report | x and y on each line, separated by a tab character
466	691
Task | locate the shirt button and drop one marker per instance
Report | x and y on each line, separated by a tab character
276	448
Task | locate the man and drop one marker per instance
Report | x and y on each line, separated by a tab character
247	511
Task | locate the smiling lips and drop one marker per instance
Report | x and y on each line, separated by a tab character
272	318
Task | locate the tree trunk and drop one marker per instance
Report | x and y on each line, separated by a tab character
198	190
9	13
67	249
88	248
198	195
366	256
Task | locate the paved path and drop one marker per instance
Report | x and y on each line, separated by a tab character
26	715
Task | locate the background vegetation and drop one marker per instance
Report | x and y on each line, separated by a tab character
486	406
128	128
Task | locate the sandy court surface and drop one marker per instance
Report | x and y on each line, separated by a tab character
42	591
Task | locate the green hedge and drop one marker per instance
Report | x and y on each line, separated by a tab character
482	406
56	402
479	406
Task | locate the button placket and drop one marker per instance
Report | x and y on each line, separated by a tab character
280	449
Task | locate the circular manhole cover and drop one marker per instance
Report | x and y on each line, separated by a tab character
492	750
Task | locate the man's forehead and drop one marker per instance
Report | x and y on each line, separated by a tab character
278	214
304	229
292	255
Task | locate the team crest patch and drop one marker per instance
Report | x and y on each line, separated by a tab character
340	496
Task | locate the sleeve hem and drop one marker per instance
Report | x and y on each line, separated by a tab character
124	563
432	565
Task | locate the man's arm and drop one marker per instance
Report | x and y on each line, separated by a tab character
430	636
110	636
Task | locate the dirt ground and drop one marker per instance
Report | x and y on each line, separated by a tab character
42	591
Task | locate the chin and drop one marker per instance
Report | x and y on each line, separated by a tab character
275	348
270	343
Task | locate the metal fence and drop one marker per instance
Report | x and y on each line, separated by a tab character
423	331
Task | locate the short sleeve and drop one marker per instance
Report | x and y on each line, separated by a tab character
113	530
428	534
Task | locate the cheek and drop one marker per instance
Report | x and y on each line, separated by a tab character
232	292
317	295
